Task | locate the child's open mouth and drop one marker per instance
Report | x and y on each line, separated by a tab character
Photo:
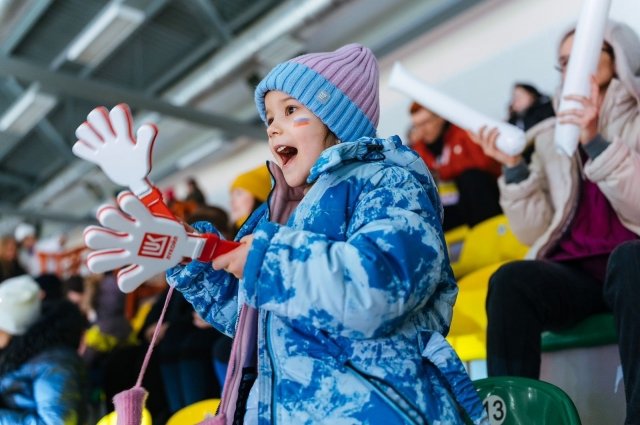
286	153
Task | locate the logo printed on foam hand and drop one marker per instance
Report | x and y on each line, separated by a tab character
133	236
155	245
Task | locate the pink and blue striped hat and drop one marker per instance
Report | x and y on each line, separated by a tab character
340	88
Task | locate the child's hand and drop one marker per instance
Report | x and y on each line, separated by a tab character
233	261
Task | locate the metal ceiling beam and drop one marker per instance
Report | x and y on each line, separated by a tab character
182	66
44	127
7	142
13	180
443	12
62	84
46	215
211	13
30	18
286	18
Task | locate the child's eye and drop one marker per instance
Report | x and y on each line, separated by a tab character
290	109
269	121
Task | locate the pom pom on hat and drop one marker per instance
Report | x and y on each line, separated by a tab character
19	304
340	88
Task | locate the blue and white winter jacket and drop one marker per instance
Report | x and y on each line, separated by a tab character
354	294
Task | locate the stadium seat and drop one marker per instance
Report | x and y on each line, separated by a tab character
469	325
594	331
195	413
484	244
584	361
523	401
112	418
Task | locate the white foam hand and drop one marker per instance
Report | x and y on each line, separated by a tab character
107	140
135	238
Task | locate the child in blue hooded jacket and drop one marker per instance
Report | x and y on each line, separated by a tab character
341	291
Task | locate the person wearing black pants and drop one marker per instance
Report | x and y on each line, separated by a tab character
622	294
580	215
528	297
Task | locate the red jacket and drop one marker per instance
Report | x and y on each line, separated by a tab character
459	154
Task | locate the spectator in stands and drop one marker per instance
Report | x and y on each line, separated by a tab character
248	191
194	194
581	216
185	344
109	331
9	264
183	352
528	106
73	289
466	177
25	235
42	379
213	214
51	286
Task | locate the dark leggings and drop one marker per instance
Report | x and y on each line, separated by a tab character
528	297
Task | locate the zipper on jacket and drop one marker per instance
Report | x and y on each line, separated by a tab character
267	336
273	366
409	412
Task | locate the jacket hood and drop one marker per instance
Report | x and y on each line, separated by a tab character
389	151
626	45
368	149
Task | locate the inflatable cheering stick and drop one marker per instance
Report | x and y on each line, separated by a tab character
145	235
583	62
511	139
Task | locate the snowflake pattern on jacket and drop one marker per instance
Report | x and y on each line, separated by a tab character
354	294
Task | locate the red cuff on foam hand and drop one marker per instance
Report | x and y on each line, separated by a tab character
156	205
215	246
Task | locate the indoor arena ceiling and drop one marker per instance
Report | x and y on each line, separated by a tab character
188	65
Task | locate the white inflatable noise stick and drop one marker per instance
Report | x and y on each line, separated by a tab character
510	140
585	53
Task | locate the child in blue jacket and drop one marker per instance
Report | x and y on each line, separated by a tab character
341	292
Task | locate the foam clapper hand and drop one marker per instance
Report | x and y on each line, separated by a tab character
145	236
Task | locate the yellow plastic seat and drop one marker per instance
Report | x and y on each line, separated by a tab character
469	324
454	239
195	413
486	243
112	418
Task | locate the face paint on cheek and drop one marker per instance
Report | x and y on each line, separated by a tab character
301	121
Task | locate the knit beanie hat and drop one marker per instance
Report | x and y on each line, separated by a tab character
340	88
256	181
24	230
19	304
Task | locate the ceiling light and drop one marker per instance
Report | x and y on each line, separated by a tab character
114	24
279	50
27	111
199	153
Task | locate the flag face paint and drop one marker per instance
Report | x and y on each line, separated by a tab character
301	121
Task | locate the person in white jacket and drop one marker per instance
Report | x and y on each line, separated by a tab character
581	216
